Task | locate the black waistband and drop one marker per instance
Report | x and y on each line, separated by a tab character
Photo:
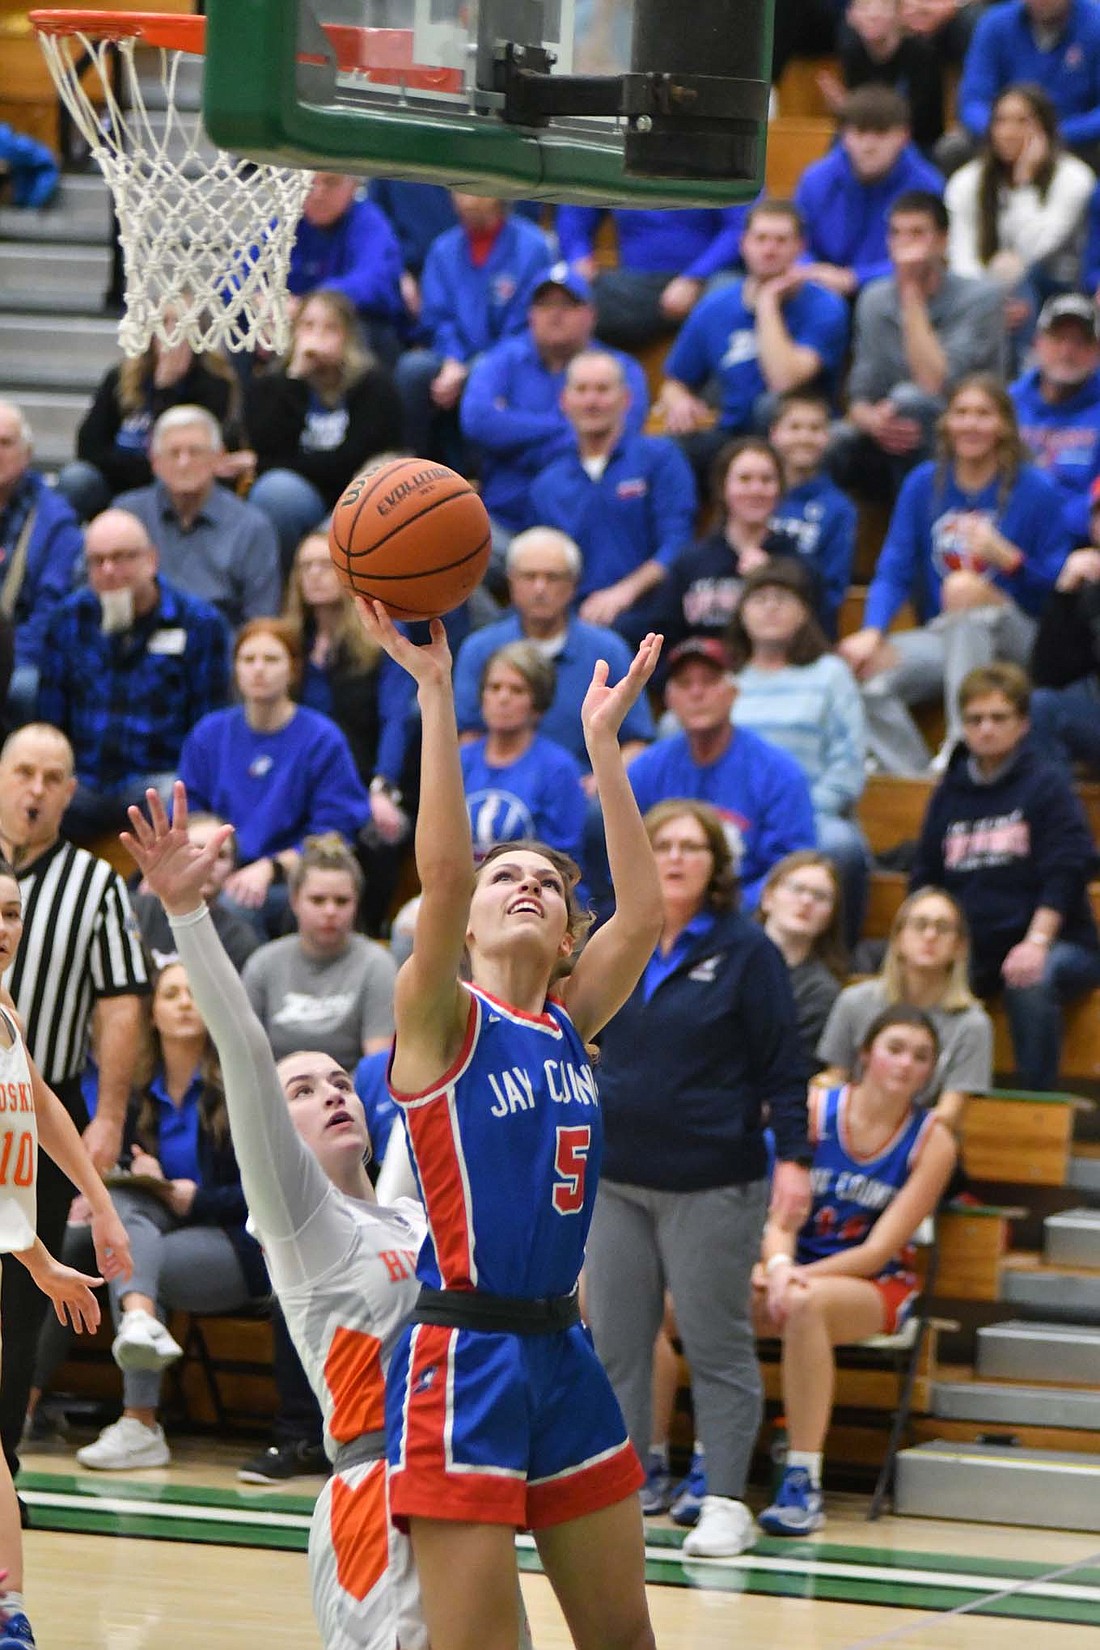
496	1314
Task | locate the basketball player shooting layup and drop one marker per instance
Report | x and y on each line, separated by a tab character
498	1412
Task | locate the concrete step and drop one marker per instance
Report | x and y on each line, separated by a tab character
55	417
1024	1351
1073	1238
993	1404
993	1484
80	211
38	274
1084	1176
56	352
1051	1293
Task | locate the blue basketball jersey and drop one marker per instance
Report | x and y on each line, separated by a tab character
850	1192
507	1148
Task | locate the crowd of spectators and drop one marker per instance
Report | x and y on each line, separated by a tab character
916	328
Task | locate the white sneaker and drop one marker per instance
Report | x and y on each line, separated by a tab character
724	1530
128	1443
143	1342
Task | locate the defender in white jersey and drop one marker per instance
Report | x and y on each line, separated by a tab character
342	1267
31	1114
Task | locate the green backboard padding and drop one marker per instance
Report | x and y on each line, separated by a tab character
252	106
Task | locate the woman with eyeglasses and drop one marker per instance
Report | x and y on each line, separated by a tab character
802	911
699	1058
926	966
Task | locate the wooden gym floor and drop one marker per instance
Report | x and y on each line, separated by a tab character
185	1559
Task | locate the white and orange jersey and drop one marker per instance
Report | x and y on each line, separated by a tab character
18	1144
345	1274
345	1318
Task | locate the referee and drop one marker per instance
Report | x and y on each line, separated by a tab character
80	961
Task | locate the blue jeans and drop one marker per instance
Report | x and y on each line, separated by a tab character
1035	1012
1065	723
293	506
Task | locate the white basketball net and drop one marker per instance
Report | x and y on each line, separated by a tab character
206	241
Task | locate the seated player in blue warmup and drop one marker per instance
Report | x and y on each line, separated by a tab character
628	501
813	510
346	244
760	792
544	568
518	783
771	330
498	1412
881	1163
511	409
664	262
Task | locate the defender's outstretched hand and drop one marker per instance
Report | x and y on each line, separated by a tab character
604	707
174	867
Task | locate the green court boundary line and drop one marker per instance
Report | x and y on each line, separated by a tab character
830	1573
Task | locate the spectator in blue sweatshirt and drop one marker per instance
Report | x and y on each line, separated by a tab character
1057	403
976	541
761	793
31	167
417	213
40	546
813	510
845	197
511	409
628	501
1006	835
1053	44
770	331
544	568
345	244
476	289
665	260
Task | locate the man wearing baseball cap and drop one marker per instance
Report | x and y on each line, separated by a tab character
1058	402
759	790
511	412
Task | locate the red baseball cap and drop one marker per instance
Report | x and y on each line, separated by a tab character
710	649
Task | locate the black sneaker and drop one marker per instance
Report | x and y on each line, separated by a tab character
279	1462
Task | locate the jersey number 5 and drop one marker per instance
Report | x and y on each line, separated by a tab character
571	1164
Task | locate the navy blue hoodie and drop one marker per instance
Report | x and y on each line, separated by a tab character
690	1078
1003	850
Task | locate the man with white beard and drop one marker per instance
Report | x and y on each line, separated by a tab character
129	666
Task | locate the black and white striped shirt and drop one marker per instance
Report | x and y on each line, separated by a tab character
80	942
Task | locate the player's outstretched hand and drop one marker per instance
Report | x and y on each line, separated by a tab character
428	665
71	1293
605	707
175	868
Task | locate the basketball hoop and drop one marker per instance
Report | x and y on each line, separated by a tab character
206	243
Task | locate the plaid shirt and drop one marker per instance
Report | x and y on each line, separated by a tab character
127	701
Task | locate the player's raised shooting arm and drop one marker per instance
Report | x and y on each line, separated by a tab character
430	1008
612	962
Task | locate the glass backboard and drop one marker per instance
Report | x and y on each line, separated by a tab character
424	89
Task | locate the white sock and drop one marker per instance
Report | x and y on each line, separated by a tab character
698	1450
810	1459
660	1451
12	1604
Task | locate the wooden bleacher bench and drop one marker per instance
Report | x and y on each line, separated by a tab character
794	141
1010	1135
797	91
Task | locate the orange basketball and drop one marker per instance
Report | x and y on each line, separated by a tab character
411	534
